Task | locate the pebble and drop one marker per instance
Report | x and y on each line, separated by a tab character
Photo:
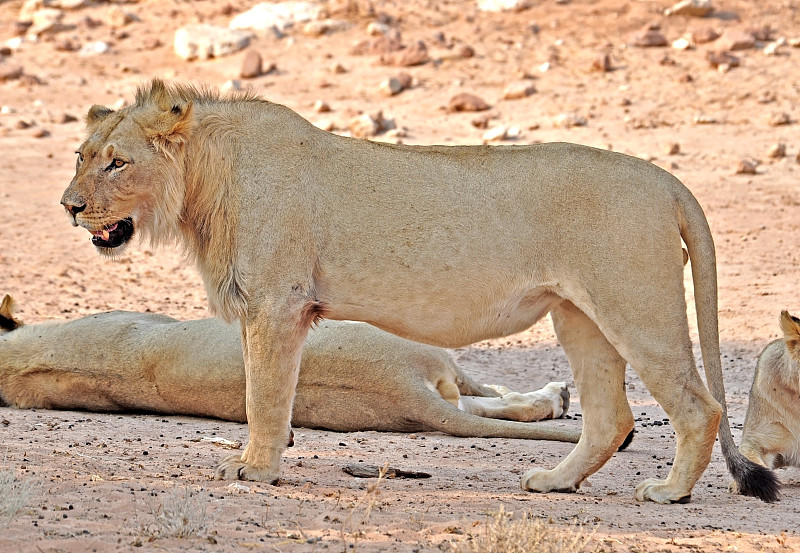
414	54
503	5
230	86
672	149
682	43
278	16
376	28
467	102
602	63
324	27
391	87
10	72
777	151
778	118
325	125
734	39
702	119
363	126
251	65
41	133
116	17
722	60
649	36
208	41
702	35
94	48
773	48
337	68
321	106
746	167
465	51
496	133
518	90
46	21
569	120
693	8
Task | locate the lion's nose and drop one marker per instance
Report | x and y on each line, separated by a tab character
73	209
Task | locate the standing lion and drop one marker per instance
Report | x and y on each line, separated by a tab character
289	224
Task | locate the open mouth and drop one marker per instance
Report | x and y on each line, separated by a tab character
113	236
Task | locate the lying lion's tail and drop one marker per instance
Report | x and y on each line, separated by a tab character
7	320
751	478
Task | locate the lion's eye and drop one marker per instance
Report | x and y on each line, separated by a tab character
116	163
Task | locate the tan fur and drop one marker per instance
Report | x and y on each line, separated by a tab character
353	377
771	434
444	245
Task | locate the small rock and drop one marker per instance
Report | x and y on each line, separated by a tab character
702	35
720	59
773	48
568	120
503	5
94	48
46	21
24	124
116	17
481	122
693	8
65	118
405	79
794	42
777	151
208	41
746	166
151	43
321	106
467	102
337	68
391	87
383	44
465	51
66	45
324	27
681	44
364	126
376	28
496	133
518	90
702	119
415	54
762	33
602	63
672	149
251	65
41	133
325	125
778	118
276	16
648	37
734	39
10	72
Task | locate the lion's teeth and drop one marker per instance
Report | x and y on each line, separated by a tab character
105	235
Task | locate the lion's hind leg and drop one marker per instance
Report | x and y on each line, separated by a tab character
607	419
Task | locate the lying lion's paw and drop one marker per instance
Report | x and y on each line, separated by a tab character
233	468
559	395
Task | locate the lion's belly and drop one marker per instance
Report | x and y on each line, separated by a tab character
454	325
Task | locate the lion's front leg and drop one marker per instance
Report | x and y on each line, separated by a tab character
272	341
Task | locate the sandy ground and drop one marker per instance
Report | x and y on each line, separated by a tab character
103	482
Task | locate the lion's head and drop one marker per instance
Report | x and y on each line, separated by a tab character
125	178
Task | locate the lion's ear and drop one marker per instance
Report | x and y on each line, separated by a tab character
95	116
7	320
172	125
791	333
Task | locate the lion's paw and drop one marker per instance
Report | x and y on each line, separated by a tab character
659	491
559	395
234	468
543	481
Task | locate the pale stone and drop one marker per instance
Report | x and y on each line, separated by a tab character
280	16
694	8
518	90
467	102
324	26
777	151
208	41
391	86
375	28
503	5
495	133
568	120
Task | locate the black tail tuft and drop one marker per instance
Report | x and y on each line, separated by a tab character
756	481
627	441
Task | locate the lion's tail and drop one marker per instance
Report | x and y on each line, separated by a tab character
751	478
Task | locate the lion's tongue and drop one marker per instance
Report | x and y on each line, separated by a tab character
104	234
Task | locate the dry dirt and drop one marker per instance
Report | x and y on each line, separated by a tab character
100	481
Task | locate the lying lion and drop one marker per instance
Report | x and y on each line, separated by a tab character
771	435
289	224
353	377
